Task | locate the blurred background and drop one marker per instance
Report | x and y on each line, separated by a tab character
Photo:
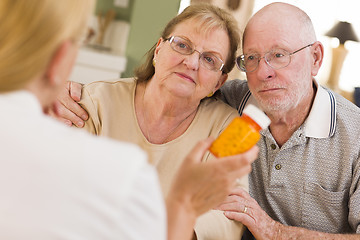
122	31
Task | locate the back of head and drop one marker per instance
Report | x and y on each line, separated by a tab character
209	17
31	32
285	18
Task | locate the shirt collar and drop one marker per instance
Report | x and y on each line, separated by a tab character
321	121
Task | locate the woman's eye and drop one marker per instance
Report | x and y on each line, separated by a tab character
183	45
209	59
251	58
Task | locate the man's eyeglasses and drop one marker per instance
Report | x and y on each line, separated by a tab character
185	47
276	58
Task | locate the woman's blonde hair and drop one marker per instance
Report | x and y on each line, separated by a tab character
210	17
30	33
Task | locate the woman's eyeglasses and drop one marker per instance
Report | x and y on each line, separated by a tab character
185	47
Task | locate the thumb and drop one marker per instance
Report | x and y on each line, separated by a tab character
199	151
75	90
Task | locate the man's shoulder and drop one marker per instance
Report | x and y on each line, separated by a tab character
236	84
233	91
346	107
347	112
347	121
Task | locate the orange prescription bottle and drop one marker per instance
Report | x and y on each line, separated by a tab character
241	134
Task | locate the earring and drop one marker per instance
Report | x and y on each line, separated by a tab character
210	94
154	62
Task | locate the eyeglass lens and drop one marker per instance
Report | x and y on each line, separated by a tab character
277	58
185	47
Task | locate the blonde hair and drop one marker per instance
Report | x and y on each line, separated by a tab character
210	17
31	31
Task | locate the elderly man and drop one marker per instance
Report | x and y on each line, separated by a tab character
305	183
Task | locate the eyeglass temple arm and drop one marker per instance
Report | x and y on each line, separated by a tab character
302	48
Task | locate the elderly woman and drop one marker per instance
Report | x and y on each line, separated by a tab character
96	188
166	108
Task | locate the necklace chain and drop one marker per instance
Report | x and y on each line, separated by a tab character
147	128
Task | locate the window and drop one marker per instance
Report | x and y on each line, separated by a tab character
183	5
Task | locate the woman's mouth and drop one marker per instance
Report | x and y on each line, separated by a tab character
185	76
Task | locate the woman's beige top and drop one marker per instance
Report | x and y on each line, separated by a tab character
112	113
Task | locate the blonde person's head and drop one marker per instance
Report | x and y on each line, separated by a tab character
31	31
209	17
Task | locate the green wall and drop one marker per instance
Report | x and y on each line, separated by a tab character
147	19
102	6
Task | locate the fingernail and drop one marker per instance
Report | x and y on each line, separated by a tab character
80	124
84	117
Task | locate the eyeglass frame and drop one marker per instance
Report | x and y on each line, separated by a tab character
171	39
267	62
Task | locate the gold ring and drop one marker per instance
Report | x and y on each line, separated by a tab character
245	209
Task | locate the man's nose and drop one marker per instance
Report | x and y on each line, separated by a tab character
264	70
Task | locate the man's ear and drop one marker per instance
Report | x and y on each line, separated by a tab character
318	56
60	64
221	81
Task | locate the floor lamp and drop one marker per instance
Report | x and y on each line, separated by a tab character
344	32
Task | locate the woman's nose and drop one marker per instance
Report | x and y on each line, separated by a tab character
192	61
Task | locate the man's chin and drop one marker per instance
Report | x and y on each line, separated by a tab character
273	106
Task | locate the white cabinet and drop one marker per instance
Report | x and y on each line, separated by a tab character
94	65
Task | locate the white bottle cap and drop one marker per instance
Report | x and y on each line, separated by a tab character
257	115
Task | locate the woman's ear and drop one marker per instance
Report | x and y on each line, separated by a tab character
221	81
61	63
158	46
317	57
